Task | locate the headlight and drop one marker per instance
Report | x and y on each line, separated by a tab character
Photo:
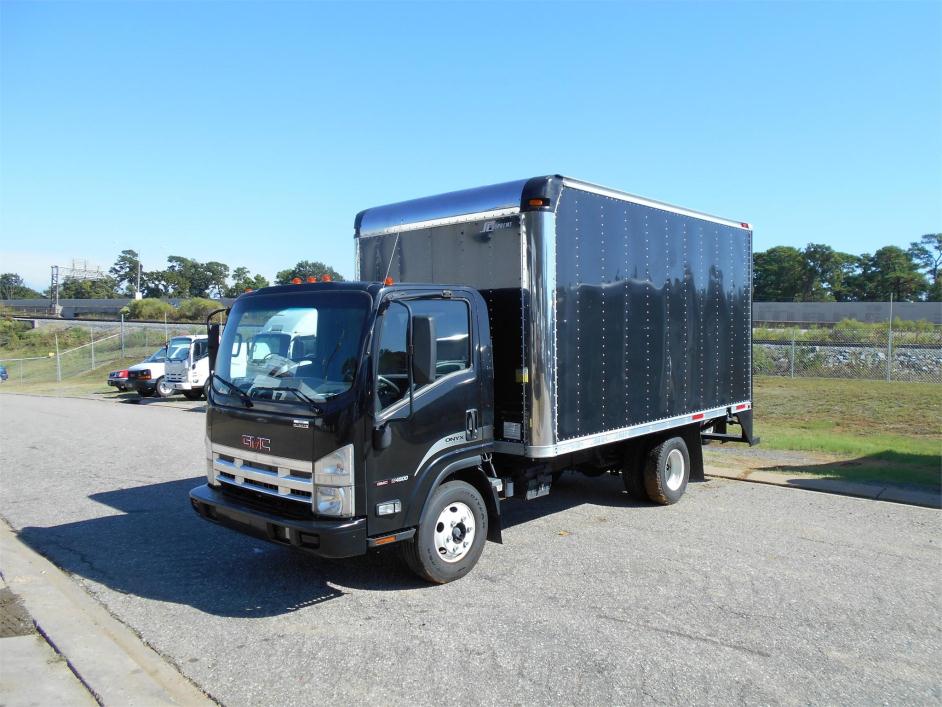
210	471
335	469
334	501
333	483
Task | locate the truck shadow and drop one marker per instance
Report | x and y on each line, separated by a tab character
157	548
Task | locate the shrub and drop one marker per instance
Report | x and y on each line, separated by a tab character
150	308
195	309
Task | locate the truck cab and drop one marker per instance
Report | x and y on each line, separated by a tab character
187	365
335	410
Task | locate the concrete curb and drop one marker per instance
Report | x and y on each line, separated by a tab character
875	492
109	658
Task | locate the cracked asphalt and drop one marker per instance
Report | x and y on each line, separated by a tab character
740	593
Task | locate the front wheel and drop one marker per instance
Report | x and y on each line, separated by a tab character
163	388
450	540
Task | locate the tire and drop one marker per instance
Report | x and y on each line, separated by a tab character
195	394
664	482
145	392
162	389
437	555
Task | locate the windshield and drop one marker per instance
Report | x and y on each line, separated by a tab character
178	349
306	342
159	356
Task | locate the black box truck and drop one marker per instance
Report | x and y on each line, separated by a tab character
495	337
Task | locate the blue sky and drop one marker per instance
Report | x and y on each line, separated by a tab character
253	133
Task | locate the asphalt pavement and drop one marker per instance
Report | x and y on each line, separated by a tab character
740	593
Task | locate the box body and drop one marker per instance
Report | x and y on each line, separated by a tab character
611	315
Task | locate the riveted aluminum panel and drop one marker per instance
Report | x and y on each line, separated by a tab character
652	310
484	254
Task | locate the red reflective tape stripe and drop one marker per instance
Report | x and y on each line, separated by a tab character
742	407
698	416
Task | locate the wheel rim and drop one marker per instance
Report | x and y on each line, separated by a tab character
454	532
164	389
674	469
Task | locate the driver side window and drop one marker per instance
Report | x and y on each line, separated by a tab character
392	368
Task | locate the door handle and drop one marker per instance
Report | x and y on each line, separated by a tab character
471	424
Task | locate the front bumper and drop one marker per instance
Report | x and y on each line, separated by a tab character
119	383
326	538
185	385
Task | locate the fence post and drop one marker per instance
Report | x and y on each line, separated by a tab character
889	354
122	335
166	330
21	371
91	331
792	357
58	360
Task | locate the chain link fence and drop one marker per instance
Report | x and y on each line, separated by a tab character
102	349
869	354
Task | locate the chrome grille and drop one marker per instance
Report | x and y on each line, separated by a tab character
277	476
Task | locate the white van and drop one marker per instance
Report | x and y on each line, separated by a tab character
187	369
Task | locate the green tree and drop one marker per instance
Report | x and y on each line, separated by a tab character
889	271
125	272
13	287
243	280
824	273
185	277
778	274
927	251
305	269
75	288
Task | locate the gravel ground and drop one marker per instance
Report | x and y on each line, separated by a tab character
740	593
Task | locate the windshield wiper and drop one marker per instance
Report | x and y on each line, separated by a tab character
304	397
246	400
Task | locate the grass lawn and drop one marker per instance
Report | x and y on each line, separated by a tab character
87	383
864	430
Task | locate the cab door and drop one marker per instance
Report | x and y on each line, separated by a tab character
442	416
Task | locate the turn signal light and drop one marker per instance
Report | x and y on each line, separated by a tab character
296	281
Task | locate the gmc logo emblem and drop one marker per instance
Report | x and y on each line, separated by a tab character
259	444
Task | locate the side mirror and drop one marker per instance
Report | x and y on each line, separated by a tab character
425	350
213	331
382	437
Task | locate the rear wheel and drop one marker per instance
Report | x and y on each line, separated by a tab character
163	388
450	540
667	471
194	394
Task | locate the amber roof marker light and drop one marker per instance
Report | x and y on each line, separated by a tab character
542	201
312	278
326	278
296	281
388	281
